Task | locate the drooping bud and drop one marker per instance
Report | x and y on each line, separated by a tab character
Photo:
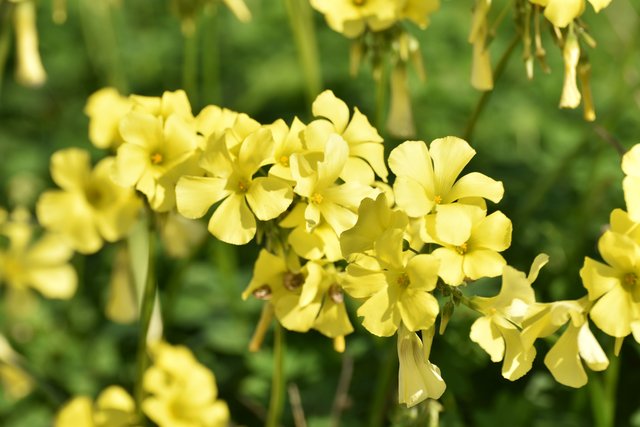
571	54
29	70
481	74
584	74
400	121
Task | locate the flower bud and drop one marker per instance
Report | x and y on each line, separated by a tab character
29	70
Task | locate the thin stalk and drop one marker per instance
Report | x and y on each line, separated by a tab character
388	366
5	37
146	309
484	98
302	26
276	402
210	58
190	65
381	82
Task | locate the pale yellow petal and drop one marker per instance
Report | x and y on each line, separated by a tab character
564	362
590	350
70	168
494	232
412	159
562	12
269	197
412	197
450	155
54	281
450	266
483	263
613	312
195	195
233	222
453	223
329	106
487	336
475	184
418	309
379	318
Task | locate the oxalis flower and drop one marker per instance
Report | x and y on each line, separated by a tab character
395	285
231	180
352	17
41	264
470	240
426	177
114	407
562	12
90	207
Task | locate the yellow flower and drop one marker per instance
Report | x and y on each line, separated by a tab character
374	218
395	286
286	142
105	109
481	73
470	241
319	243
302	298
89	207
317	182
213	122
615	288
113	408
418	378
418	11
563	12
16	383
631	182
352	17
181	391
155	153
244	198
498	331
366	149
170	103
41	264
576	342
427	177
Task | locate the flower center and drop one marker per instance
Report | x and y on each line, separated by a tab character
292	281
630	280
403	280
462	249
242	187
284	161
263	292
336	294
316	198
156	158
437	200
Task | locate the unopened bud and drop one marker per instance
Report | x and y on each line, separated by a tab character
29	70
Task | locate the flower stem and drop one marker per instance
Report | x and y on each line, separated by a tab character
301	21
190	65
484	98
388	365
603	394
146	309
210	53
276	402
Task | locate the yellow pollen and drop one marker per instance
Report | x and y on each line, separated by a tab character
284	160
242	187
462	249
359	2
316	198
437	200
156	158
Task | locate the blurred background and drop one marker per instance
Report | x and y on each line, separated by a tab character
561	175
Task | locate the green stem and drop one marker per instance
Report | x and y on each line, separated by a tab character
388	366
276	402
5	37
190	65
301	21
602	390
484	98
381	82
210	58
146	310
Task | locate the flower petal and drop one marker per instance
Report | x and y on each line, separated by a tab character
269	197
195	195
233	222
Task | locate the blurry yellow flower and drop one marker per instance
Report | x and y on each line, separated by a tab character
239	9
213	122
481	73
105	108
90	207
15	382
395	286
181	236
41	264
244	198
470	241
352	17
113	408
181	391
419	11
427	177
29	70
317	182
418	378
498	331
366	149
155	153
615	288
631	182
563	12
169	104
